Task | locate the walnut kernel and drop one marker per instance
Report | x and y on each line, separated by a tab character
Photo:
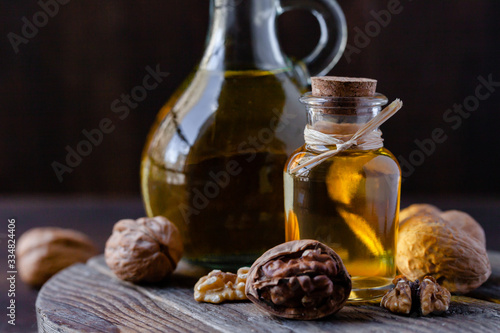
144	250
42	252
426	297
433	298
217	287
399	299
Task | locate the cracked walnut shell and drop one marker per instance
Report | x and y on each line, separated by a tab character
301	279
452	252
217	287
144	250
42	252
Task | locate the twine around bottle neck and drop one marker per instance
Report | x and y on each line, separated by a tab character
372	140
367	136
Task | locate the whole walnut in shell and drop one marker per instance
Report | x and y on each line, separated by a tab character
456	218
417	209
465	223
447	250
42	252
144	250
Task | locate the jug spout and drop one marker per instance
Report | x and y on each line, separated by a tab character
242	35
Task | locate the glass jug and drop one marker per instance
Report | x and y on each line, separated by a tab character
213	160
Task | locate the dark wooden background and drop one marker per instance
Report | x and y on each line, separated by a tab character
65	78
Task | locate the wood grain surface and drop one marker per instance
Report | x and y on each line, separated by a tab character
88	298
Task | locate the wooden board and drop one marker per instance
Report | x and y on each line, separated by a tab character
88	298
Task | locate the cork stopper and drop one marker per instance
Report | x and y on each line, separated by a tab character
338	86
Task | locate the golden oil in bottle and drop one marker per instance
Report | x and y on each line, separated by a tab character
214	164
349	201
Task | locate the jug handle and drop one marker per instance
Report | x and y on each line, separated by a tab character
331	20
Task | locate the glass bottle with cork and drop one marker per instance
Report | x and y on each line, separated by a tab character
343	187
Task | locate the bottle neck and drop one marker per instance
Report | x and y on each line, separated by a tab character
242	36
332	121
338	123
327	131
341	115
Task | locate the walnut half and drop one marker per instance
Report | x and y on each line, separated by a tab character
302	279
433	298
217	286
425	297
399	299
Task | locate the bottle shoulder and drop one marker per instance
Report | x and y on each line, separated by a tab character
227	113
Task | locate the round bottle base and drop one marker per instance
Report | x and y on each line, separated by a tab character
369	288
